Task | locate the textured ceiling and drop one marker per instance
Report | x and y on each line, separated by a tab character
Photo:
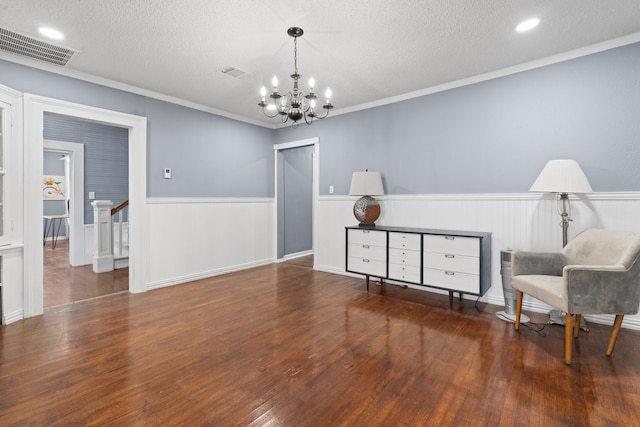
366	51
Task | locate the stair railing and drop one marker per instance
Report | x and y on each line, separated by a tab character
119	210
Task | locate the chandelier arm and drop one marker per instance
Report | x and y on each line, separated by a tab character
265	109
306	120
322	117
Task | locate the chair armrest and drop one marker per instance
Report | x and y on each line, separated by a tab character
539	263
591	268
602	289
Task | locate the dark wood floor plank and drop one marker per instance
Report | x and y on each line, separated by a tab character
285	345
63	284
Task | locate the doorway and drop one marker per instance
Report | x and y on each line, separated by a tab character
297	192
72	154
96	163
35	108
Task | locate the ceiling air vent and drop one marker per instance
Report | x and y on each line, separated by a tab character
234	72
29	47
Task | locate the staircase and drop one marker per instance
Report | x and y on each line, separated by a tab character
120	235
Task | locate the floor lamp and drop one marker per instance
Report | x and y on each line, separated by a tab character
562	177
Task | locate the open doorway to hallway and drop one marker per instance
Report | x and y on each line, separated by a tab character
297	192
95	167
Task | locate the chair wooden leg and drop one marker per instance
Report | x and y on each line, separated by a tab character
576	325
614	333
518	309
568	337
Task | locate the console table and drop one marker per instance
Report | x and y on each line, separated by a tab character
50	224
455	261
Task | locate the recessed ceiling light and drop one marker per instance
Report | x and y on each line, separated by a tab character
51	33
527	25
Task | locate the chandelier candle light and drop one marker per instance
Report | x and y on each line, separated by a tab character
295	105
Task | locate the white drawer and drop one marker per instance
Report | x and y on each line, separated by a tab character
367	266
452	245
404	256
367	237
367	251
454	281
450	262
404	241
408	273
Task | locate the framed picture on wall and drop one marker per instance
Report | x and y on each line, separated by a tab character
53	187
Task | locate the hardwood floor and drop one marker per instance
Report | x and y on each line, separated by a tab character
64	284
283	345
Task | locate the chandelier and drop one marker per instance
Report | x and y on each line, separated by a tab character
295	105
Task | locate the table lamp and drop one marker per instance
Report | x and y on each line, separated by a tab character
366	184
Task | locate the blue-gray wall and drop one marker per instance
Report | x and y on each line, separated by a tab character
211	156
106	157
489	137
494	136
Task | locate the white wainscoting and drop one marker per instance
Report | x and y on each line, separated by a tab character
516	221
195	238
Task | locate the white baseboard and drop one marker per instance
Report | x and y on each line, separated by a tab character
120	263
205	274
296	255
12	317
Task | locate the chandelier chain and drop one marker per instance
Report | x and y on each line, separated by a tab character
295	54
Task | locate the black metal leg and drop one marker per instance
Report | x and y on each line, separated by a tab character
47	228
56	234
451	300
367	283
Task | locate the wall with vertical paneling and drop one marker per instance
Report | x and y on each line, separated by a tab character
106	157
522	221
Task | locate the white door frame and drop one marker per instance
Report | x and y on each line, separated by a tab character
76	197
315	185
34	109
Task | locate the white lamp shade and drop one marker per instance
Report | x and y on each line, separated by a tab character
366	184
562	176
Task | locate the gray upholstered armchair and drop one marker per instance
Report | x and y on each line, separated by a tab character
598	272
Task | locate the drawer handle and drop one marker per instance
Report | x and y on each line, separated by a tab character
449	273
365	246
450	237
365	260
449	256
366	231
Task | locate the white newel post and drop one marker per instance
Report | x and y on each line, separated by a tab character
103	235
